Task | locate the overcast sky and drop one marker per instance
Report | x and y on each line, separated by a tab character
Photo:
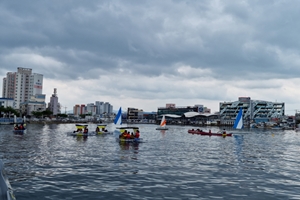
144	54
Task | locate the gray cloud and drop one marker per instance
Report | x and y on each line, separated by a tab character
164	50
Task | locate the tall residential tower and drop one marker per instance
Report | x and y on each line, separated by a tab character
22	85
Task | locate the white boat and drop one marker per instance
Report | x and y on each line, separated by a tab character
238	123
6	191
163	124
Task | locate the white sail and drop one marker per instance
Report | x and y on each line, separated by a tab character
163	122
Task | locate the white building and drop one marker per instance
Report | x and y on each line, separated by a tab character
22	85
54	105
35	103
253	110
6	102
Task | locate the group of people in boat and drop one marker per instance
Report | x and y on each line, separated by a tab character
209	131
127	135
85	130
102	129
19	127
200	130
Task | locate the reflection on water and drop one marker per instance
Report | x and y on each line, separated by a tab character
46	163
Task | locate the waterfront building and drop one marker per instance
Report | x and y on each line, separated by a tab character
171	109
134	114
7	102
22	85
197	114
79	110
54	105
255	111
36	103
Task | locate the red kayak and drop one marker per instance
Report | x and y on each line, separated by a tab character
200	132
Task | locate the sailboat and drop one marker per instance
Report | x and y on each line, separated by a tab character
238	124
163	124
118	119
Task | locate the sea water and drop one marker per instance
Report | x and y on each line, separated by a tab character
46	163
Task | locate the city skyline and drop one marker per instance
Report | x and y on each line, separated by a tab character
150	53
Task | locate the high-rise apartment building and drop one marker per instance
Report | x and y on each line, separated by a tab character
22	85
103	108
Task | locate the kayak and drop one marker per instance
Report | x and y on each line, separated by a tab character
200	132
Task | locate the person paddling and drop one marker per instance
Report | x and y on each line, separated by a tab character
224	133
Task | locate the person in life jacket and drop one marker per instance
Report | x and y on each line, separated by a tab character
137	134
86	130
224	133
128	136
123	135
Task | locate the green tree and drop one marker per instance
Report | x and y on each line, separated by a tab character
8	110
62	115
47	113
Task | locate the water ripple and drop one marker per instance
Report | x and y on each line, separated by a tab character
45	163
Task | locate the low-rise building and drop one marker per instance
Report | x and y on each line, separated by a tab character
36	103
7	102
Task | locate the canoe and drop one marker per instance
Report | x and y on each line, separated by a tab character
200	132
6	191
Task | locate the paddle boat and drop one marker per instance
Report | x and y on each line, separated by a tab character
81	130
201	132
101	130
128	130
6	191
20	129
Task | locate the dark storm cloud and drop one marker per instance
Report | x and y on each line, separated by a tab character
155	43
152	36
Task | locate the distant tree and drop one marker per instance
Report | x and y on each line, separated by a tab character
8	110
47	113
37	114
82	116
62	115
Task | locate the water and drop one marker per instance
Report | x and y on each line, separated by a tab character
45	163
